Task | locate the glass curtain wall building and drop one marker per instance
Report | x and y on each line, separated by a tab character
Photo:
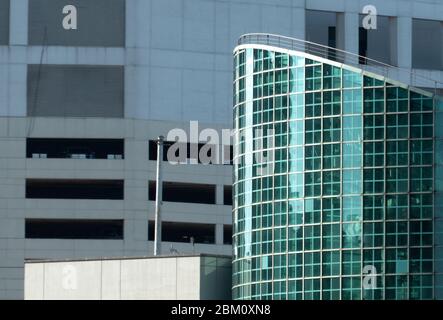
338	181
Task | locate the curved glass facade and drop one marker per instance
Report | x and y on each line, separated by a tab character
336	181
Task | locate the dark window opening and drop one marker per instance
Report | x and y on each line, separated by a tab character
363	45
227	234
73	229
318	25
75	91
376	44
427	44
74	189
332	43
321	29
185	192
75	148
185	232
227	195
226	154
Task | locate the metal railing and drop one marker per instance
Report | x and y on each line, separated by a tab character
403	75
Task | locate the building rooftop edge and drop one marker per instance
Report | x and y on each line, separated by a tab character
303	48
201	255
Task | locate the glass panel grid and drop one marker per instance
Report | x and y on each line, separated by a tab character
352	184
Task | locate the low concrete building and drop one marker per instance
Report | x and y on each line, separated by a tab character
196	277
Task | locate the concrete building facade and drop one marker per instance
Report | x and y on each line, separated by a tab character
79	107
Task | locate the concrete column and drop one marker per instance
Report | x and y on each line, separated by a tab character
219	194
16	90
137	78
393	30
138	33
347	31
404	42
298	22
18	31
219	234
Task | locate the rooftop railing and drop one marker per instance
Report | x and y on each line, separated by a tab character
404	75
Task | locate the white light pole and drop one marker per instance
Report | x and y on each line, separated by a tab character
158	199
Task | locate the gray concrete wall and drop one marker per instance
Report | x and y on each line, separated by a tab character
136	209
178	54
171	278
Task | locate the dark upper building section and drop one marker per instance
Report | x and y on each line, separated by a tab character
4	22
